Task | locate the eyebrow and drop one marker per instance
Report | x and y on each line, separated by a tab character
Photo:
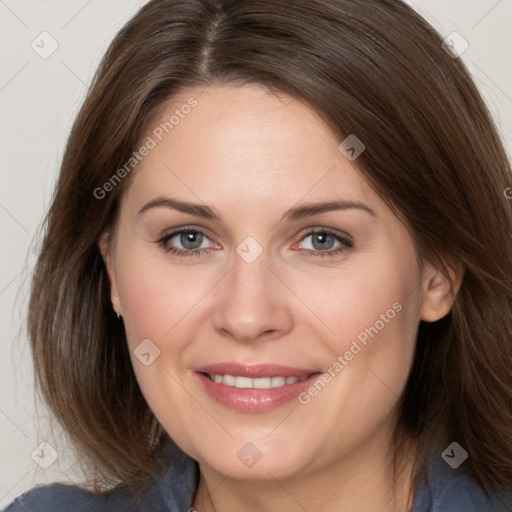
297	213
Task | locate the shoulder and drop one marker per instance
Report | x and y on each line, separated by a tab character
171	491
453	490
52	497
464	494
63	497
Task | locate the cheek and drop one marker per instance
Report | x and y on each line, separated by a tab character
156	295
372	313
366	302
369	314
158	302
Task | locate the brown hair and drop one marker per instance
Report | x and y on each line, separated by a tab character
373	68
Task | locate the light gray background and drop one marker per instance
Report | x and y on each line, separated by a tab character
38	101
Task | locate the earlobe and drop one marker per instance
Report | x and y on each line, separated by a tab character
106	253
438	295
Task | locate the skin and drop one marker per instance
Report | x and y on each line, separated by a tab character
252	155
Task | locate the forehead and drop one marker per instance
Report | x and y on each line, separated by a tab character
247	145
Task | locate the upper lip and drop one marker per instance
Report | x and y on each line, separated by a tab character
255	370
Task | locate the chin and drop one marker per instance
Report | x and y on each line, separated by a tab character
244	461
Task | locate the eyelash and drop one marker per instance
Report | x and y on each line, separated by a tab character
346	243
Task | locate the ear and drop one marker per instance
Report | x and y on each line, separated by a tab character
438	297
106	252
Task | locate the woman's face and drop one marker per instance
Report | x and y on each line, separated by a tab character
335	295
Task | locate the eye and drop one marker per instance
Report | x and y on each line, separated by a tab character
190	239
323	240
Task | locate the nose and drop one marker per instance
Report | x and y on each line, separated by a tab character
252	302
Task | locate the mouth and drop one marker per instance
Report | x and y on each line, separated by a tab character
254	388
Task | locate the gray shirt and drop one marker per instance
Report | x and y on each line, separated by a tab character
445	490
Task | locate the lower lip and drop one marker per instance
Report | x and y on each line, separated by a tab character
251	399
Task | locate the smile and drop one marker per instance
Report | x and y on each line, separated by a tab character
254	388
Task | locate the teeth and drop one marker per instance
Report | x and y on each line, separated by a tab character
260	383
